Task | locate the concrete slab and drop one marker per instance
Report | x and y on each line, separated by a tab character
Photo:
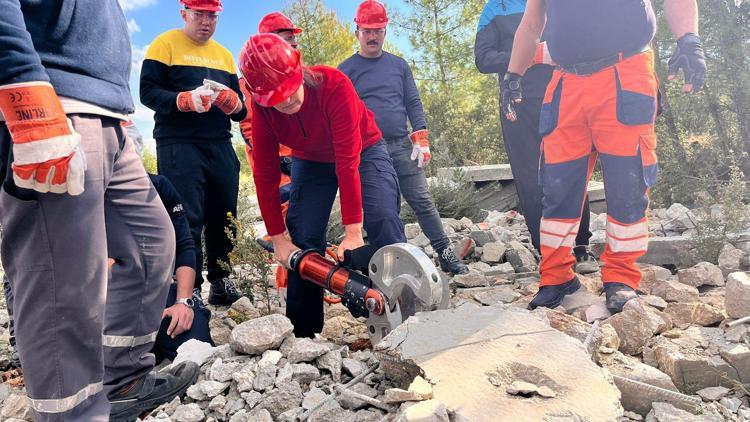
472	354
493	172
670	250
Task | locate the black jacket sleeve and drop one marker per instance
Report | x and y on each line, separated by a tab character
185	251
488	56
154	73
234	83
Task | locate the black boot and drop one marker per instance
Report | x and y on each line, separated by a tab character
618	294
552	296
223	292
450	263
132	400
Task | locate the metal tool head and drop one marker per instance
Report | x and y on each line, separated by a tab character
410	283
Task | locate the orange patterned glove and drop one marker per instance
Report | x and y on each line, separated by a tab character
197	100
420	147
47	154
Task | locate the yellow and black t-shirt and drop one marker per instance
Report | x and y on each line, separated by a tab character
175	63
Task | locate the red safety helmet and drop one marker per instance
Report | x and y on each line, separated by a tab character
272	69
371	15
204	5
277	22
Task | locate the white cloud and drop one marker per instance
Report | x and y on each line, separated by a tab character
133	26
128	5
137	56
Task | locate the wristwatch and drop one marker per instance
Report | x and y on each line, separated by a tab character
187	302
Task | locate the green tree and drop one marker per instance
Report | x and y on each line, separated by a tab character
325	40
460	103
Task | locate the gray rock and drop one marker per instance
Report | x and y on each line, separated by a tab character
493	296
270	358
195	351
520	257
713	393
665	412
261	334
412	230
493	252
694	313
481	237
262	415
655	302
473	278
731	403
212	388
5	391
265	378
16	406
652	274
240	416
222	371
306	350
674	291
353	367
188	413
368	416
245	309
313	397
465	248
397	395
730	259
636	324
218	407
233	405
737	300
420	241
252	398
682	218
581	299
701	274
286	396
331	362
286	345
426	411
522	388
245	377
291	415
304	373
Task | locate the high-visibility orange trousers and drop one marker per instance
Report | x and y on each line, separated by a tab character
608	116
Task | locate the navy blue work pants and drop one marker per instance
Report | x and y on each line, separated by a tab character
314	188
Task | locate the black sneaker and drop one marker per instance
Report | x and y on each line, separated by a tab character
552	296
450	263
223	292
134	399
585	260
618	294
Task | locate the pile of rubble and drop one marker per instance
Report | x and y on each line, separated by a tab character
674	354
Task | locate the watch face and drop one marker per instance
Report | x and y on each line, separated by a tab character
514	85
189	302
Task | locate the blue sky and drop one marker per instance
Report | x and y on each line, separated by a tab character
149	18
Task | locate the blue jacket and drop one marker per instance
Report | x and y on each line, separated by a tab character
494	43
81	46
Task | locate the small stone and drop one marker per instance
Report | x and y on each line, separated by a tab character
286	396
655	301
353	367
397	395
702	274
546	392
348	402
713	393
493	252
245	309
473	278
465	248
522	388
313	398
245	377
737	300
222	372
421	387
252	398
331	362
420	241
731	403
520	257
218	406
16	406
665	412
188	413
265	378
306	350
426	411
480	237
213	388
270	358
195	351
412	230
261	415
304	373
195	392
494	296
694	313
261	334
632	416
730	259
674	291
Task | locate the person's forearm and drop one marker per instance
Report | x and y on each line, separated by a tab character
353	230
524	47
682	16
185	282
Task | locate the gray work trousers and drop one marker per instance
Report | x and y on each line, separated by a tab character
78	335
414	189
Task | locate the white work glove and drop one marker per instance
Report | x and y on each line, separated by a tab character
223	97
420	147
198	100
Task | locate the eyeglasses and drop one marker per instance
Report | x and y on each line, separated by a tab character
287	36
378	32
209	16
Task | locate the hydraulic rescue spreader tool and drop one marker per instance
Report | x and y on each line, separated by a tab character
398	281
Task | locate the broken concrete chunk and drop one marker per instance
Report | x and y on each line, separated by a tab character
306	350
546	392
473	278
426	411
493	296
730	259
694	313
713	393
493	252
674	291
504	345
738	295
397	395
701	274
665	412
636	324
261	334
421	387
521	388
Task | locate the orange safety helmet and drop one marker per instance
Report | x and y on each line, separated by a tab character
371	15
277	22
272	69
204	5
